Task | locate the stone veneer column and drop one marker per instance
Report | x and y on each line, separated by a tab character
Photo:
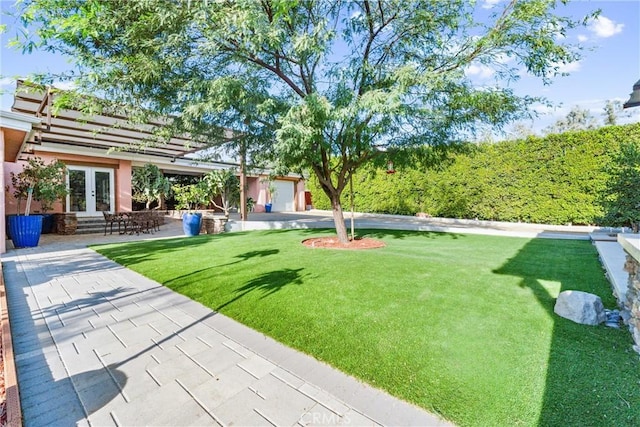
630	305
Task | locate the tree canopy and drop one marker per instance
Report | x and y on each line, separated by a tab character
322	86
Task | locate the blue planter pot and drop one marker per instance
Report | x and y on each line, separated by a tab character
7	221
25	230
267	207
191	223
47	223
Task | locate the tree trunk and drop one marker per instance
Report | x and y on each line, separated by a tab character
338	218
243	185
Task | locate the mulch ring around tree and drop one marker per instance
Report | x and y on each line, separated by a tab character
334	243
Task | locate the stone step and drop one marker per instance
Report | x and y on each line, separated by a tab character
90	225
90	230
94	225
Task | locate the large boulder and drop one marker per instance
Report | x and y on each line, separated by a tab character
581	307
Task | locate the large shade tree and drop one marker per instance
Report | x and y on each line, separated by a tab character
322	86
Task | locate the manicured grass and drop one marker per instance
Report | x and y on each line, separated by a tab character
462	325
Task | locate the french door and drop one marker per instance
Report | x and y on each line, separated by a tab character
91	190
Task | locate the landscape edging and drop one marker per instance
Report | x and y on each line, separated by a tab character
12	393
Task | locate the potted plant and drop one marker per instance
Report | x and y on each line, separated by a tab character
150	185
250	204
51	186
189	197
225	185
40	181
271	195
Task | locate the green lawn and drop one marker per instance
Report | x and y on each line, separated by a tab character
461	325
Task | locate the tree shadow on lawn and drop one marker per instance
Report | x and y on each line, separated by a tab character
378	233
255	254
269	283
132	253
197	274
592	373
402	234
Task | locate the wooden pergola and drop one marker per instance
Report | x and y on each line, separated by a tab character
106	132
102	131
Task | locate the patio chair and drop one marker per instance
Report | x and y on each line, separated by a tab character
139	222
110	219
156	220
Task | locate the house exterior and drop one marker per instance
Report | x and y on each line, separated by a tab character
99	177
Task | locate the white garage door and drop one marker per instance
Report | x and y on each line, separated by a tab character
283	202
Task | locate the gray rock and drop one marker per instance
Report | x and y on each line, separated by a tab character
581	307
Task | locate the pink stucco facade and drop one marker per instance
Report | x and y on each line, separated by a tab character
101	177
3	201
15	128
121	170
258	190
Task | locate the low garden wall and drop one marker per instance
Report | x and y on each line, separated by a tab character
65	223
630	303
212	221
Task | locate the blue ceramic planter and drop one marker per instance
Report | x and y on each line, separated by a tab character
47	223
267	207
191	223
25	230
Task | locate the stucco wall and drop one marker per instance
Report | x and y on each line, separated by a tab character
3	204
122	175
256	186
300	202
123	187
11	203
258	190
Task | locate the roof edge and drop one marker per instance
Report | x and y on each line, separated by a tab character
18	121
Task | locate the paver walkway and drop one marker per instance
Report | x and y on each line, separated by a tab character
97	344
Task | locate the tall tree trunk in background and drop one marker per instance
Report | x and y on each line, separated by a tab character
243	185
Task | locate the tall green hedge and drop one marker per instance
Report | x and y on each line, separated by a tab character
557	179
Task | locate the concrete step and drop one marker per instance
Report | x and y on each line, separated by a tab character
90	225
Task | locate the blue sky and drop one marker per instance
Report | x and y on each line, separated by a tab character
608	70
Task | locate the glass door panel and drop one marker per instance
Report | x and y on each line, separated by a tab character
91	190
102	181
77	190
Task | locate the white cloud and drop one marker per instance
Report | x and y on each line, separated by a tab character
504	59
488	4
480	71
570	67
605	27
7	81
65	85
582	38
